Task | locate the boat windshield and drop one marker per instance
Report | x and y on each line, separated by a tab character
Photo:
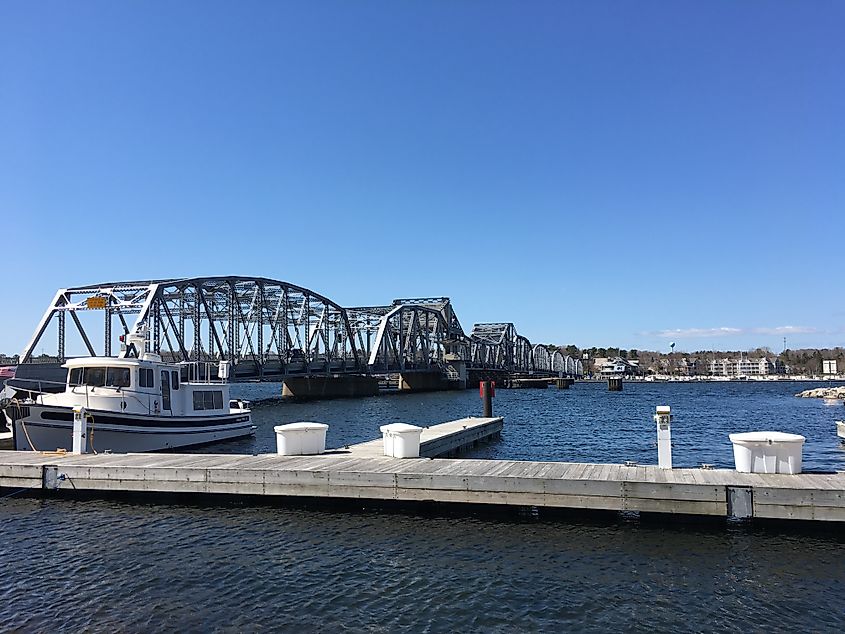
99	377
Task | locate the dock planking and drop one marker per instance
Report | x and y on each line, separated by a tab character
362	472
807	496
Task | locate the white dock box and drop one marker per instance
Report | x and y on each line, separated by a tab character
300	439
401	440
768	452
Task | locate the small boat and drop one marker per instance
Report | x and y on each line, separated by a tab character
840	428
6	372
130	405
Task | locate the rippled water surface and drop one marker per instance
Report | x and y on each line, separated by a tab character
119	566
139	566
585	423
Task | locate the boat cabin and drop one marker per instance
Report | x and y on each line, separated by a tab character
145	385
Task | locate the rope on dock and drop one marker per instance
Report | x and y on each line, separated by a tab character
57	452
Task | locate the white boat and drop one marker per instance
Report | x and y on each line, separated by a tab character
131	405
840	428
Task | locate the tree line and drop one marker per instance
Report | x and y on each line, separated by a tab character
801	361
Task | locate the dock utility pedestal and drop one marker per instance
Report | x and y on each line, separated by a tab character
768	452
401	440
663	418
300	439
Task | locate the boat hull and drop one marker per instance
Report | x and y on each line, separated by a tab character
46	428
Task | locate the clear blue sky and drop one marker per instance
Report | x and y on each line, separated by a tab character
599	173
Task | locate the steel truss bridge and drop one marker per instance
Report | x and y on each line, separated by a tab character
269	330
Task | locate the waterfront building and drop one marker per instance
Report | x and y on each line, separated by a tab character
744	366
618	367
687	366
9	360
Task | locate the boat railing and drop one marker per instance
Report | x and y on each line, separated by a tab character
200	372
35	387
38	388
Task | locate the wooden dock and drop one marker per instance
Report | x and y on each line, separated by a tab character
351	474
445	439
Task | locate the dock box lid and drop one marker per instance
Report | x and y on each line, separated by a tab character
303	426
399	428
766	437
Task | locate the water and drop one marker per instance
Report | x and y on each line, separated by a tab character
583	424
140	566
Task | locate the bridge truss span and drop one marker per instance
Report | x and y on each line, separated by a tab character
269	330
409	335
265	327
499	346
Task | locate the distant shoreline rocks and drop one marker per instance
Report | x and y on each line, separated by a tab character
824	392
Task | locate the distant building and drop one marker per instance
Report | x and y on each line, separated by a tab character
746	367
7	360
688	367
618	367
829	366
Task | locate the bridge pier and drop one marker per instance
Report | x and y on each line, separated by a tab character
476	376
335	386
425	382
457	370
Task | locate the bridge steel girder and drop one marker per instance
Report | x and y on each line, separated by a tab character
409	335
574	367
273	328
558	362
541	360
116	299
498	346
270	329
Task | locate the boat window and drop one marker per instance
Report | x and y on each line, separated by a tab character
100	377
75	376
95	377
174	376
208	400
117	377
145	377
